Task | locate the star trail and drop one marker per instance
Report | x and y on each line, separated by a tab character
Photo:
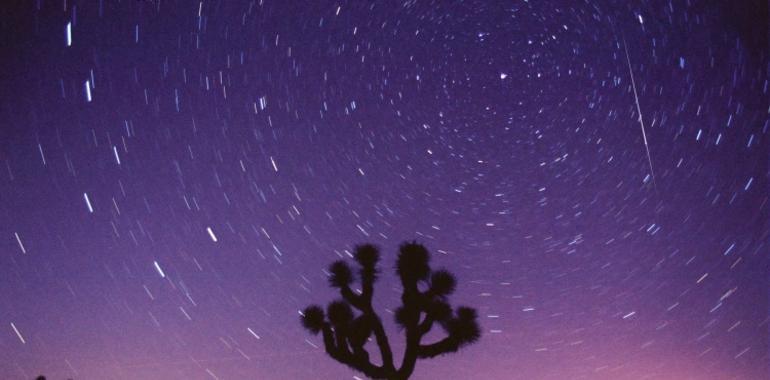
175	177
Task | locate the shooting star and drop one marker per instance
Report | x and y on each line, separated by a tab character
639	110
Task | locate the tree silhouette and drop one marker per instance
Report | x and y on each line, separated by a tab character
345	334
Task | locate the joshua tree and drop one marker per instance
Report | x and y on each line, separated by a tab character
345	334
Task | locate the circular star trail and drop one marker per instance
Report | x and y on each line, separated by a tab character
175	177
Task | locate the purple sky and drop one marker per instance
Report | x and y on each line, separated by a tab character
175	176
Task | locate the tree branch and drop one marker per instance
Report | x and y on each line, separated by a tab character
426	325
340	355
368	276
382	343
352	298
443	346
329	345
342	342
410	298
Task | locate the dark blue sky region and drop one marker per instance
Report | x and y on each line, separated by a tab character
175	176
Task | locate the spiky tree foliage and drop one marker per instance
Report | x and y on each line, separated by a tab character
346	332
313	319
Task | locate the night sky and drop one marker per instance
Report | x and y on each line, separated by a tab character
176	176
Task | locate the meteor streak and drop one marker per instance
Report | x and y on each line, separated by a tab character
639	110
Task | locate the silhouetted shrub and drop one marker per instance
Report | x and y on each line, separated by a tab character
345	334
